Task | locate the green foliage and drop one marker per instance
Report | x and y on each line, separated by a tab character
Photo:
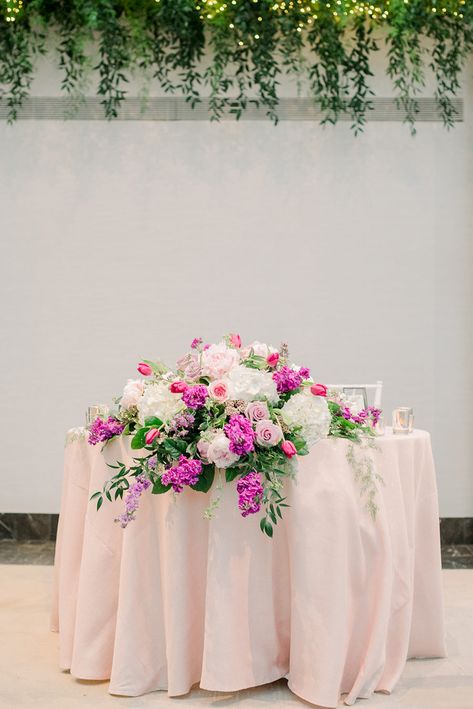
251	44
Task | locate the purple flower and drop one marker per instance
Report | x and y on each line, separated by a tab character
362	416
152	462
186	472
250	494
102	430
304	372
132	500
240	432
287	379
374	413
196	342
181	423
194	397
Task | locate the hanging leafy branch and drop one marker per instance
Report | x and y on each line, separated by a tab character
235	52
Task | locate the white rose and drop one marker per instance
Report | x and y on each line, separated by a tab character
132	393
219	452
219	359
252	384
157	400
309	412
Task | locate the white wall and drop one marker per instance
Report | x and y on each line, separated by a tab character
123	241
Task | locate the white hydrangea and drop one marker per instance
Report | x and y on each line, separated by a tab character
309	412
252	384
158	400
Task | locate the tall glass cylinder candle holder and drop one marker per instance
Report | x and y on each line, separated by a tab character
94	412
403	420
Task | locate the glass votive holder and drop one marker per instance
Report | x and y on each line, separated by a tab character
94	412
403	420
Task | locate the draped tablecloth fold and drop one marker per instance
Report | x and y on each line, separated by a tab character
336	601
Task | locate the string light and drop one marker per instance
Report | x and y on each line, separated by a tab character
308	11
11	8
311	10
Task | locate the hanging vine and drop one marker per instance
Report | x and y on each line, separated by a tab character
235	53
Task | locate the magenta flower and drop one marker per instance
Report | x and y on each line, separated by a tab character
194	397
196	342
250	494
363	416
287	379
186	472
241	434
102	430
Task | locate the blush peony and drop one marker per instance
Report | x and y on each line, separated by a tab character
219	452
132	393
219	359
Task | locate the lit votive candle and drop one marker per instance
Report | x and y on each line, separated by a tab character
403	420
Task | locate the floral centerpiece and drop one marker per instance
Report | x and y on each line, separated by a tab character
247	412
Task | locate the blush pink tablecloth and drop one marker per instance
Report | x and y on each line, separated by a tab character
335	602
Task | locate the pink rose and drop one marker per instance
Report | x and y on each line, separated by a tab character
235	340
218	390
144	369
203	447
151	435
319	390
178	387
257	411
288	448
272	359
268	434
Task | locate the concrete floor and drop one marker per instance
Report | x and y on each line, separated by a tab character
29	676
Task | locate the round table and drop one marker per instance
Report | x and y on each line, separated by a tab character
336	601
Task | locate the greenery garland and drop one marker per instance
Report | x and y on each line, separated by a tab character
252	44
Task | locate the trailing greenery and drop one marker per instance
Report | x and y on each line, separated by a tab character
249	45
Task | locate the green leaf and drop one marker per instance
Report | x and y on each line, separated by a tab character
96	494
99	502
174	447
206	479
231	474
138	440
158	487
153	422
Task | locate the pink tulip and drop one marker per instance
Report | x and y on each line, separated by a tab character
272	359
151	435
144	369
178	387
235	340
319	390
288	448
